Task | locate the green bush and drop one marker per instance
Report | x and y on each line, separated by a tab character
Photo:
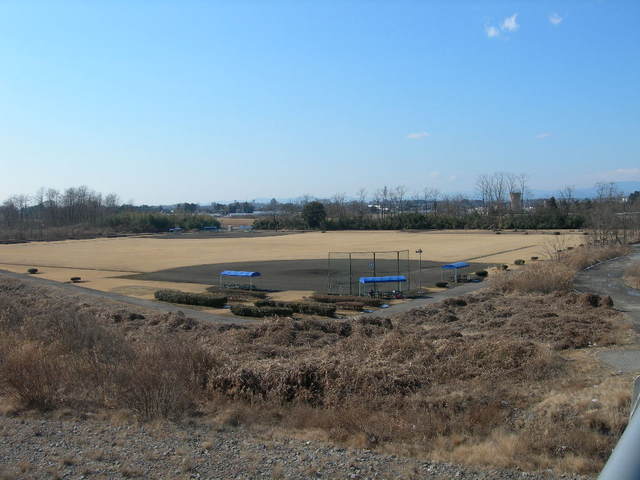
519	261
442	284
157	222
324	309
187	298
32	271
482	273
253	311
534	258
371	302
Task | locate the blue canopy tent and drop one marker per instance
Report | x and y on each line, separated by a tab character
455	267
237	273
376	280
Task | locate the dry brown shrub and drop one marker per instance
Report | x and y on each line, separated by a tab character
582	258
164	379
539	277
452	380
32	374
632	275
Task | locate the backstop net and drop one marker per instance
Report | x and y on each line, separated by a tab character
346	268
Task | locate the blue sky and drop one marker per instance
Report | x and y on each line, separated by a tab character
164	101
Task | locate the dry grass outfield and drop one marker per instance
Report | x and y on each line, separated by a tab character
113	256
99	262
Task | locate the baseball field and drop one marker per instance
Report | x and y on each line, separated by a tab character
295	262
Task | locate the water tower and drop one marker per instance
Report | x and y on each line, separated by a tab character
516	201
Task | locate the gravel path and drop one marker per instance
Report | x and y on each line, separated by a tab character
138	302
606	279
87	449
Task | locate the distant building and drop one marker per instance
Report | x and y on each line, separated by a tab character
516	201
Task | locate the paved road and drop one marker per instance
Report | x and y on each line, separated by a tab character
606	279
138	302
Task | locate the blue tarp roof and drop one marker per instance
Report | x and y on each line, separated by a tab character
234	273
456	265
393	278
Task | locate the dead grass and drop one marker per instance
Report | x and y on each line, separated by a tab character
554	275
452	381
144	254
57	356
632	275
540	277
581	258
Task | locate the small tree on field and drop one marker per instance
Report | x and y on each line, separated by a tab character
314	214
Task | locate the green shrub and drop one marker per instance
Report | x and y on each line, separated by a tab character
187	298
482	273
371	302
253	311
32	270
442	284
324	309
519	261
534	258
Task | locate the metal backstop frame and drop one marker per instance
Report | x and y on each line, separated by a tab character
344	269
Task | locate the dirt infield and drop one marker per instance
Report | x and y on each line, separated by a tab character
290	274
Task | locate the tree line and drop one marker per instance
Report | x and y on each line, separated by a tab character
502	201
79	212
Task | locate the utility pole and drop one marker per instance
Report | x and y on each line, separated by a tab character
419	252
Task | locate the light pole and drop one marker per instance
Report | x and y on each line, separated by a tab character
419	252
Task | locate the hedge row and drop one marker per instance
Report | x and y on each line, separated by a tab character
371	302
357	306
253	311
187	298
324	309
237	294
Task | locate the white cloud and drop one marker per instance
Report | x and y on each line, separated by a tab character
418	135
543	135
510	24
555	19
491	31
434	174
453	178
